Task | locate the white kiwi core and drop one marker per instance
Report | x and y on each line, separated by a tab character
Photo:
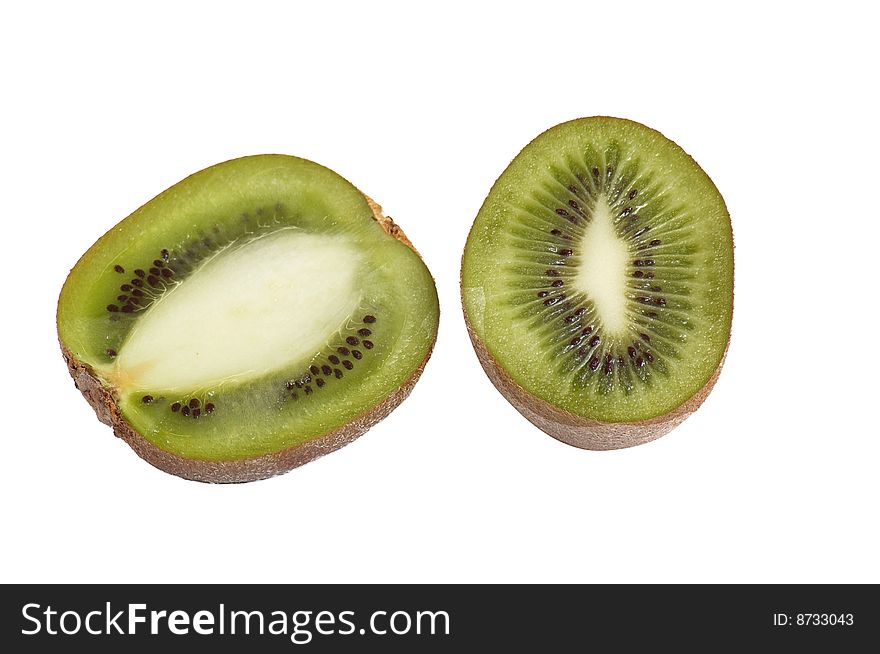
601	273
247	311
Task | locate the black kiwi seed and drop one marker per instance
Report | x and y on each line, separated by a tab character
196	412
137	292
649	357
640	362
320	382
111	354
122	298
158	263
543	293
112	307
351	340
164	254
154	271
308	390
167	272
140	273
631	351
175	407
558	283
137	282
185	410
342	350
153	281
193	403
315	369
576	340
594	363
638	274
337	373
587	330
633	194
645	338
146	399
348	365
608	367
128	308
655	242
356	354
306	378
326	369
298	384
290	384
368	345
594	341
125	287
551	272
118	268
364	332
567	252
369	319
334	359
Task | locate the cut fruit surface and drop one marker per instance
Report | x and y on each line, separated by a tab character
257	314
597	282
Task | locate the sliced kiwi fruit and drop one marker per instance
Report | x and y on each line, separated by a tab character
258	314
597	283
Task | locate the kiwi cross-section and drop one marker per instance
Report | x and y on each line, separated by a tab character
258	314
597	283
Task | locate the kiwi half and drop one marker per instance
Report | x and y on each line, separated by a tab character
597	283
257	315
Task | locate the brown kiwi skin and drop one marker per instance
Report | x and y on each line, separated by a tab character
104	402
578	431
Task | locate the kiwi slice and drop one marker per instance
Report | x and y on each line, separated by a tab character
597	283
258	314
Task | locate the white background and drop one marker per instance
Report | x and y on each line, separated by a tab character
774	479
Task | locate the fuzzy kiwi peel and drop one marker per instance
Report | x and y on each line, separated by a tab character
213	421
597	283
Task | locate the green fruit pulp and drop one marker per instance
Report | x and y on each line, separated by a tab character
599	271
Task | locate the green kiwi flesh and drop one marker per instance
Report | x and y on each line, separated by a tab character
597	283
258	314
